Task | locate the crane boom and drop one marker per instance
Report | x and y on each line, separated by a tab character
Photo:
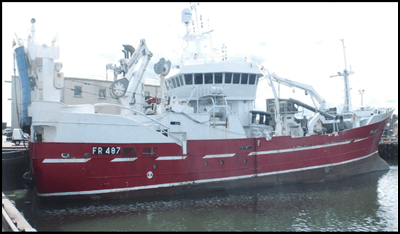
128	87
308	88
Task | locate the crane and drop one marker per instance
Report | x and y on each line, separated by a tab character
309	89
127	88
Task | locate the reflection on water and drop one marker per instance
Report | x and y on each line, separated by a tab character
364	203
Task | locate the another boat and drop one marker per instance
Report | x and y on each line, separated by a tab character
14	163
203	134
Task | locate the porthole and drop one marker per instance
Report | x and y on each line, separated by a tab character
155	166
222	162
245	160
206	163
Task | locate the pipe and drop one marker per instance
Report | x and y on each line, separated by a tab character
311	108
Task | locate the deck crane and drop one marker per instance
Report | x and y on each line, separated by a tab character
308	89
128	89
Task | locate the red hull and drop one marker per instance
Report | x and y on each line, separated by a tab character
230	164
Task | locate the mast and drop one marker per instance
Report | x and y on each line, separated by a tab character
195	38
345	74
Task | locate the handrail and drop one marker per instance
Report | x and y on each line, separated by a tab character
195	88
223	106
167	127
138	112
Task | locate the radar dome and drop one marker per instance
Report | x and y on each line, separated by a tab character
186	16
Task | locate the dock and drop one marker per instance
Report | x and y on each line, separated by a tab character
14	163
12	219
389	152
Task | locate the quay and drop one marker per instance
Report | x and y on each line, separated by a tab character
389	152
12	219
14	163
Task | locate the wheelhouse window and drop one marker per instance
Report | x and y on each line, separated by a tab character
228	78
218	78
77	91
188	79
208	78
178	83
252	79
244	78
181	79
173	82
257	78
236	78
170	84
198	78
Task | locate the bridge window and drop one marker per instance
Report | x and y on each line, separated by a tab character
170	84
252	79
244	78
228	78
208	78
188	79
236	78
181	79
218	78
177	82
173	82
198	78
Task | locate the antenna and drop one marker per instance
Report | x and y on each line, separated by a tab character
33	21
195	12
361	93
186	18
344	54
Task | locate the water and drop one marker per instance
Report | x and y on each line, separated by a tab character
364	203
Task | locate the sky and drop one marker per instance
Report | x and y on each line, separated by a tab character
297	41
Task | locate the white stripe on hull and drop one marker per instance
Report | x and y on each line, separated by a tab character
297	149
357	140
123	159
65	160
219	155
200	181
171	158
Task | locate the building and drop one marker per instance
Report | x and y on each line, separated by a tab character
81	91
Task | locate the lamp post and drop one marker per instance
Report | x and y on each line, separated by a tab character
361	92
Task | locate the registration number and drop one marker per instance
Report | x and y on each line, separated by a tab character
106	150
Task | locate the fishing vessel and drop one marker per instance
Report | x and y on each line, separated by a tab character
201	133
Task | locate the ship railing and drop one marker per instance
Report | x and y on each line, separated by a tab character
155	125
163	130
195	88
219	106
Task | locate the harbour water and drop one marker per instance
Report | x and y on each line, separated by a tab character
363	203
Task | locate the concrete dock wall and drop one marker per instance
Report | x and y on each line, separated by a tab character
389	152
12	219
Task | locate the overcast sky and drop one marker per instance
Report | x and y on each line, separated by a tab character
298	41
